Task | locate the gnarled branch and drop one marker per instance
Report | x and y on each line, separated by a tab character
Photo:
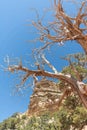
67	78
64	27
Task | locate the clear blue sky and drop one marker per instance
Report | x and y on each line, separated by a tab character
14	34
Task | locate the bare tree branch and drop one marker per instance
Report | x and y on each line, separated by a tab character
49	64
65	94
64	27
68	78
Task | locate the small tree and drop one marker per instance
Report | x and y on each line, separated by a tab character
63	28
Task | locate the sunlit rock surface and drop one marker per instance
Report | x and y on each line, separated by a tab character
44	98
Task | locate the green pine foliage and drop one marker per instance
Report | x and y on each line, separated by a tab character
70	115
9	124
79	63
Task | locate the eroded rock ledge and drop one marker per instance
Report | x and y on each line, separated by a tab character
44	98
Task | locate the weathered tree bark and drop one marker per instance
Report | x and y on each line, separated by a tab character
62	29
67	78
65	28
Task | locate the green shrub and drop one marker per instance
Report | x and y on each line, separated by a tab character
24	117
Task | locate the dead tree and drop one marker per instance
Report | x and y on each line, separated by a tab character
64	28
76	85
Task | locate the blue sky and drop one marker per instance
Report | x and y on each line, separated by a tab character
14	34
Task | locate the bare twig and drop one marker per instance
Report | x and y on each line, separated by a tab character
49	64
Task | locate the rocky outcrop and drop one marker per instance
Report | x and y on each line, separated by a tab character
44	98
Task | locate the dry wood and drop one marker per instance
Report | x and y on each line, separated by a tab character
63	28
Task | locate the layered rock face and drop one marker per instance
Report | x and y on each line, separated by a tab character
44	98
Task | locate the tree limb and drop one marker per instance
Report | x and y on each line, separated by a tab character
67	78
65	28
49	64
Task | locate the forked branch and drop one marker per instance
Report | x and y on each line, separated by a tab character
67	78
64	27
